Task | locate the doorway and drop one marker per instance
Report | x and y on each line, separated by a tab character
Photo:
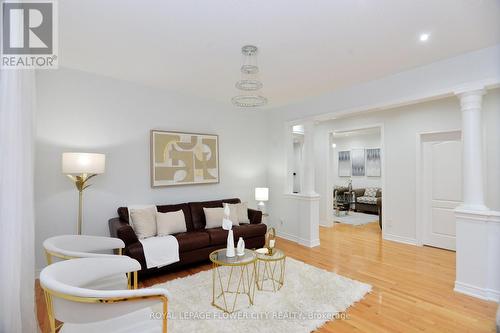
441	179
355	167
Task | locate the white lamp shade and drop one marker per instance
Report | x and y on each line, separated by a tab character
78	163
261	193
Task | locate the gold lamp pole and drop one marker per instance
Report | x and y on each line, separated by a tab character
86	166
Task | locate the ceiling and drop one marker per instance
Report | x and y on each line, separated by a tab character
307	48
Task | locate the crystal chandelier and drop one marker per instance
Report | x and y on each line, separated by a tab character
249	85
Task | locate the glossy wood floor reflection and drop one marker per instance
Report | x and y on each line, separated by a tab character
412	286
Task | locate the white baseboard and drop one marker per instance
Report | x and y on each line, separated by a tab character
309	243
324	223
400	239
482	293
301	241
287	236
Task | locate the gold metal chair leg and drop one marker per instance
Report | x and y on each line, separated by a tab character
50	312
165	315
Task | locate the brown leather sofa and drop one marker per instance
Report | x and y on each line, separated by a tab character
196	244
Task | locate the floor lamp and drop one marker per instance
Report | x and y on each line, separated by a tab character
80	167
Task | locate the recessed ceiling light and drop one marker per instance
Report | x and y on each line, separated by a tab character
334	145
424	37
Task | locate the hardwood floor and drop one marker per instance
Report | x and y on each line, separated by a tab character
412	286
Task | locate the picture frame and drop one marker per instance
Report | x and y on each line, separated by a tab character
183	158
358	162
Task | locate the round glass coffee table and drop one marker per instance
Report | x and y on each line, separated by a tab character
271	269
232	277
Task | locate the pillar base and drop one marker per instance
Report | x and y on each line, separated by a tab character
306	216
478	253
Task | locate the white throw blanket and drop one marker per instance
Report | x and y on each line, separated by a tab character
160	251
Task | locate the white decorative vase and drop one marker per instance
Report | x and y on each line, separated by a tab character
230	244
240	248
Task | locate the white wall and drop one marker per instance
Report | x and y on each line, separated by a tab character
78	111
362	141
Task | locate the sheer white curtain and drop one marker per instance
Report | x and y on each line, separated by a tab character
17	276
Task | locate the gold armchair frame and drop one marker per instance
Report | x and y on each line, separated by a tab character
50	309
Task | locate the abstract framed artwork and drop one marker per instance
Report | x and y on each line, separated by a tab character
179	158
358	162
344	163
373	162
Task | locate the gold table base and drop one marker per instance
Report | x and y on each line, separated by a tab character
270	270
225	296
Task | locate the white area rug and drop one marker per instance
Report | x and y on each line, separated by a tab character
309	298
356	218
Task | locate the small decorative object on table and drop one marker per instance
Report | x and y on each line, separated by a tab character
228	225
240	248
270	241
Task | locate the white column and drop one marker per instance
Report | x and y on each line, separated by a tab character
477	228
308	160
472	138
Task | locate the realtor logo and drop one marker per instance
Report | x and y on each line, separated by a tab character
29	36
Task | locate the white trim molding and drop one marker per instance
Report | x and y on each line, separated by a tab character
304	197
482	293
298	240
326	224
399	239
309	243
478	216
287	236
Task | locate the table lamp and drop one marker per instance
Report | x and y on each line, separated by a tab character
261	195
80	167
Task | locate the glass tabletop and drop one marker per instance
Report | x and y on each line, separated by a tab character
277	255
219	257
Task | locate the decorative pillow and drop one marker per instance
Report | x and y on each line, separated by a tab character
213	217
243	213
170	223
143	222
370	192
233	213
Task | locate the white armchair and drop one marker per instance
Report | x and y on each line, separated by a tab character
88	310
82	246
